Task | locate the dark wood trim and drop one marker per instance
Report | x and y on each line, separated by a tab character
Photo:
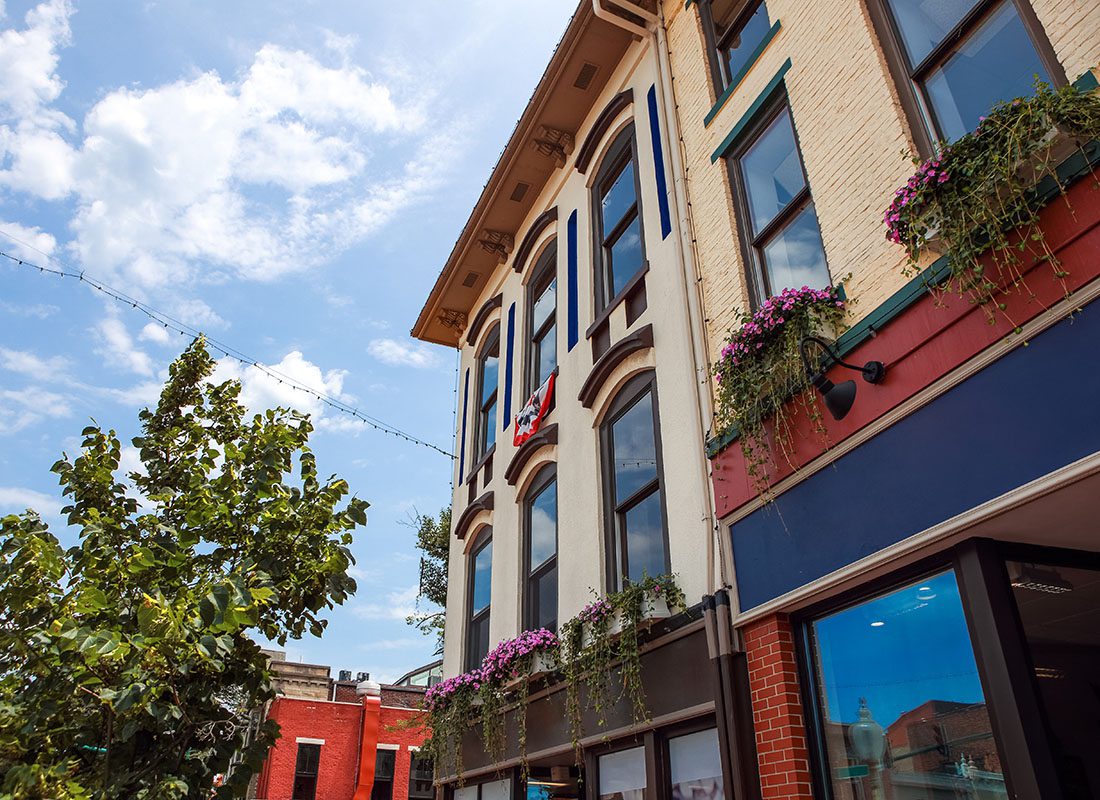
641	339
537	227
1001	651
482	316
476	468
603	316
547	435
600	127
483	503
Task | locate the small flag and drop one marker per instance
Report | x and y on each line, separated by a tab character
529	417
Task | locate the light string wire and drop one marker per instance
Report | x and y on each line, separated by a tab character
178	326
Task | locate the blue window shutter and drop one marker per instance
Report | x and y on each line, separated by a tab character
571	264
462	444
508	366
659	163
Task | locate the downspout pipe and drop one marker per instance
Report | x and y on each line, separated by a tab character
371	693
608	16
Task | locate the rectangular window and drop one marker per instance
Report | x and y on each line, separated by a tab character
305	772
384	761
695	766
542	353
1059	608
542	552
481	579
735	31
780	234
632	470
901	706
618	219
960	57
421	775
623	775
488	380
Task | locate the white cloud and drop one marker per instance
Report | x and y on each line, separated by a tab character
16	500
117	347
155	333
404	354
25	363
399	605
260	390
22	408
28	243
257	175
37	310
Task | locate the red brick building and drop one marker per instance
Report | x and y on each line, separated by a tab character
343	739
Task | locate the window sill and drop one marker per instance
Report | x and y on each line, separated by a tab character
617	300
737	80
476	468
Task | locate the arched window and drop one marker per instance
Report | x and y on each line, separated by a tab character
618	220
479	597
485	429
542	315
637	539
541	551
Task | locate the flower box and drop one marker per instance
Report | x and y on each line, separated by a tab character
542	663
654	609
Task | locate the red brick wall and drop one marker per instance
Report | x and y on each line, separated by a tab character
337	723
394	729
777	710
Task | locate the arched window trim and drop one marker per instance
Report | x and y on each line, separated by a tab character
543	273
622	150
614	508
532	573
484	538
482	425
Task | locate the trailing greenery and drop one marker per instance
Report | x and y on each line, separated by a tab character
976	198
760	368
128	662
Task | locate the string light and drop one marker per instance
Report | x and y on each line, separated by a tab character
227	350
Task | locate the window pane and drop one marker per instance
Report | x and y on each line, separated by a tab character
795	256
544	600
489	430
383	764
305	787
544	525
696	766
1060	612
497	790
903	707
997	62
420	778
544	305
626	256
619	198
479	642
489	376
773	171
634	449
622	775
924	23
468	792
309	756
546	355
483	577
645	538
745	41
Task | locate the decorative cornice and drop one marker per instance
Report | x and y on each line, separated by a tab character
553	143
494	302
600	127
483	503
537	227
497	243
453	319
548	435
641	339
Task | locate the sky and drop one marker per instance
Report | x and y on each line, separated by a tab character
290	178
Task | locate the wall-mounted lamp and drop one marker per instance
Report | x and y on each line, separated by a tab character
838	398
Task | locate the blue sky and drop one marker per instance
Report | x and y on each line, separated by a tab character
288	176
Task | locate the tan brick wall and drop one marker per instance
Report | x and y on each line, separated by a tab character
851	130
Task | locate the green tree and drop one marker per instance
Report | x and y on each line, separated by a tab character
128	667
433	540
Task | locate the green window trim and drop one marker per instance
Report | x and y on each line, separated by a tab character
747	118
735	83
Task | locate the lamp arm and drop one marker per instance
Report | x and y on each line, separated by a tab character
824	346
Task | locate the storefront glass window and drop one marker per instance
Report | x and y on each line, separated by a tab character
622	775
1060	611
901	703
695	765
497	790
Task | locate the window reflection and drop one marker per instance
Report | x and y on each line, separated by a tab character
902	705
695	766
622	775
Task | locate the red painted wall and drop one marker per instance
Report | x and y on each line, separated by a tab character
929	339
340	725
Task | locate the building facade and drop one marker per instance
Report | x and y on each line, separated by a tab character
345	739
912	609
